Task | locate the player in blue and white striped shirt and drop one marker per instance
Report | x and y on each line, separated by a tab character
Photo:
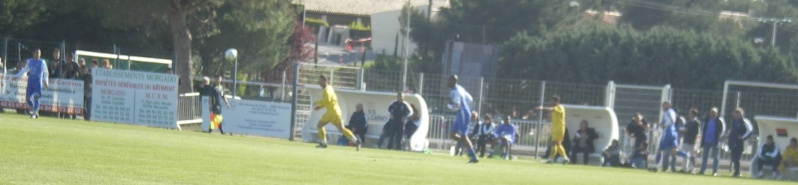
37	72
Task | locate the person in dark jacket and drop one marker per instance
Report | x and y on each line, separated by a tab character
612	155
740	130
399	111
483	131
712	130
768	154
689	135
637	129
358	122
583	142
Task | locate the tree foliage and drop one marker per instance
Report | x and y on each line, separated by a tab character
658	56
19	15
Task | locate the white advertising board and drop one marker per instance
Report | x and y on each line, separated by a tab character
248	117
131	97
62	95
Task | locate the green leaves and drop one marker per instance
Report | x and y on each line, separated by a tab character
659	56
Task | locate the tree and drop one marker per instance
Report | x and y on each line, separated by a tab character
659	56
19	15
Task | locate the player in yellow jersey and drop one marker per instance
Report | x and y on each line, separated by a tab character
329	101
557	129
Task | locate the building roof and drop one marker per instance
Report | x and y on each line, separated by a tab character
364	7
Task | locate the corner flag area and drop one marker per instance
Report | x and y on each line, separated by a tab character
57	151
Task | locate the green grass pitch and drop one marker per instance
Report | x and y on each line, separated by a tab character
55	151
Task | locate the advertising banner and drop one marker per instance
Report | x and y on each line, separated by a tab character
65	96
140	98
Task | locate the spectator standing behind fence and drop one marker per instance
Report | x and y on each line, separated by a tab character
612	155
669	139
203	86
690	133
399	111
87	85
768	154
557	130
484	134
107	64
94	64
637	130
790	159
712	130
358	122
71	73
55	65
583	142
740	130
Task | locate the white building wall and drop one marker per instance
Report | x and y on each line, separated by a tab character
384	28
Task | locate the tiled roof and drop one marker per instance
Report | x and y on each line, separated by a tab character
364	7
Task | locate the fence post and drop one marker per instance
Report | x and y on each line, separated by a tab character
361	77
481	87
5	54
294	94
420	83
540	118
331	79
723	101
737	103
282	89
609	97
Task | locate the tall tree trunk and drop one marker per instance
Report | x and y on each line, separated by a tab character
181	39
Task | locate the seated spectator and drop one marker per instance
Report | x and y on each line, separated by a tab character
639	157
768	154
484	134
506	134
583	142
412	124
612	155
358	123
790	158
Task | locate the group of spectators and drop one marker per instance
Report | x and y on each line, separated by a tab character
680	135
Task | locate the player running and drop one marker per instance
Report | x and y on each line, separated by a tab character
37	78
329	101
459	102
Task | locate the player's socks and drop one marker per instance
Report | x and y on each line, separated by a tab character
472	154
682	154
658	158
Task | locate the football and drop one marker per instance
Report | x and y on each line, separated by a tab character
231	54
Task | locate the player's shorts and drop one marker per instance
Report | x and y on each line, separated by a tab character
667	143
460	124
557	135
335	119
508	138
34	88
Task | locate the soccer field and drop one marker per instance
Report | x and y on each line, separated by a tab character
55	151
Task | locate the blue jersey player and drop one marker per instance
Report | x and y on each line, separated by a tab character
669	139
460	100
37	78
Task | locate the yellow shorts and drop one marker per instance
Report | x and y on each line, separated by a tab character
557	135
335	119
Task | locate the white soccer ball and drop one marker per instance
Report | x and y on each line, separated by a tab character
231	54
